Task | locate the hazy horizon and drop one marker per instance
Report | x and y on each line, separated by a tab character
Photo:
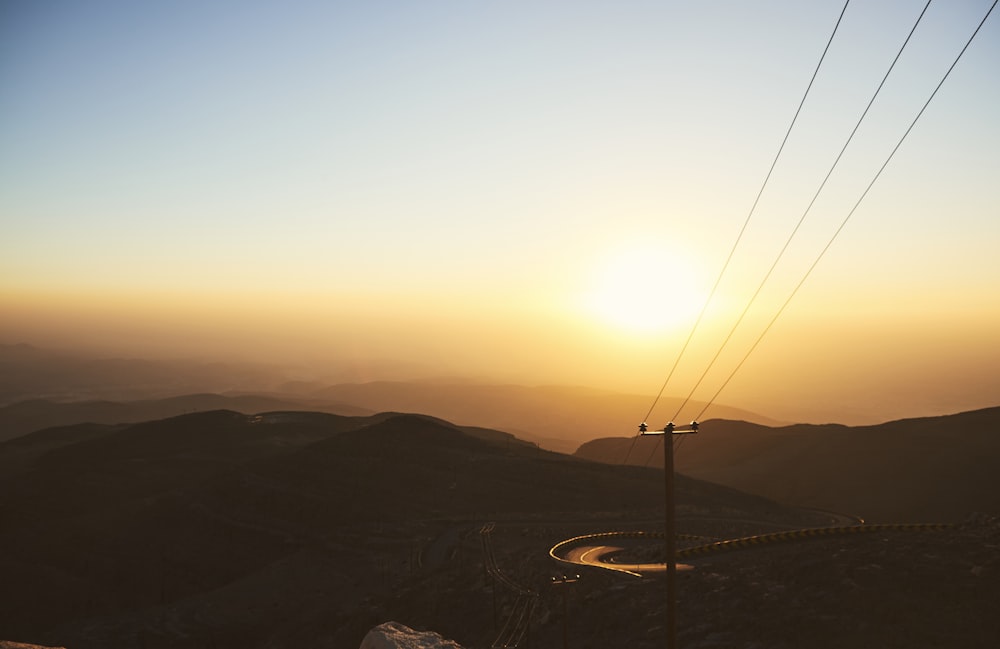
522	193
240	374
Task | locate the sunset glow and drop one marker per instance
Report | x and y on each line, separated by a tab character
530	193
644	290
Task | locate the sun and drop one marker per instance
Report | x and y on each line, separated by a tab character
642	290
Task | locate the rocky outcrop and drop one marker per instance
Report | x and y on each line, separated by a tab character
393	635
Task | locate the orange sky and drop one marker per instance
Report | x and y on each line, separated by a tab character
525	194
817	366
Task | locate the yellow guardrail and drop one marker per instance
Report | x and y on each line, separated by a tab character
749	541
797	535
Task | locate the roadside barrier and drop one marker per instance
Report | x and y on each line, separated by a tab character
799	535
749	541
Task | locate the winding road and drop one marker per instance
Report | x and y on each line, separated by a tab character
594	550
599	556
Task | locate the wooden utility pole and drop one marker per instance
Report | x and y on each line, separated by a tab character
669	529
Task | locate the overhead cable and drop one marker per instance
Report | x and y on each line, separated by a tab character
743	229
849	214
753	208
802	219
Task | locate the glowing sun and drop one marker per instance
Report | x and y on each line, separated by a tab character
642	290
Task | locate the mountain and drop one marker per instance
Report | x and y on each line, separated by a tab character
556	417
41	388
291	529
223	529
913	470
34	414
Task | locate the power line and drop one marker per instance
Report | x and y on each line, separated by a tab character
515	628
743	229
802	219
753	208
851	212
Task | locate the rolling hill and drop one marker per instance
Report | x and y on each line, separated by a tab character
41	388
224	529
912	470
35	414
559	418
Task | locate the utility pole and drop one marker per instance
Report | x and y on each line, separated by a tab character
564	581
669	530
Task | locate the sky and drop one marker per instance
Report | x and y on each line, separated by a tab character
527	192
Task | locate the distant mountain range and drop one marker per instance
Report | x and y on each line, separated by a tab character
556	417
40	388
35	414
918	470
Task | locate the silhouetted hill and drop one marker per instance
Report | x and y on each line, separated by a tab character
556	417
27	416
926	469
292	529
40	388
128	534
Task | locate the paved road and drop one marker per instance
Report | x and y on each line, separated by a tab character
598	556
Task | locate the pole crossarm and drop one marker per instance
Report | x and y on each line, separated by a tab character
669	429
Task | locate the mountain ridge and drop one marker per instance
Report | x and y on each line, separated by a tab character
117	532
923	469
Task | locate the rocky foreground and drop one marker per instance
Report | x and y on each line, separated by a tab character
393	635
